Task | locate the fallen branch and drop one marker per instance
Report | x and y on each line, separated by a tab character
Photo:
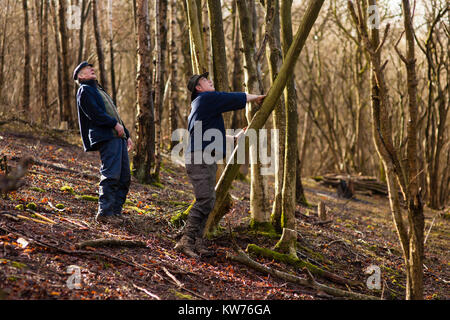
111	243
154	296
243	258
300	264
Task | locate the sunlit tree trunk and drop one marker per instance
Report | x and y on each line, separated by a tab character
260	215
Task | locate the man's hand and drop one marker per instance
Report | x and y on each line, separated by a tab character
120	130
129	144
259	100
255	98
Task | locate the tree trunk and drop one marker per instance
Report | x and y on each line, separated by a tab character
173	63
270	101
145	129
412	241
66	116
3	49
198	54
27	64
260	216
43	78
59	70
99	45
275	59
414	289
111	53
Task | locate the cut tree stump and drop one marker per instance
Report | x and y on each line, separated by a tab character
322	211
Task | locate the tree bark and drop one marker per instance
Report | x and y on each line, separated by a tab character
197	51
145	129
99	45
43	63
173	63
260	216
26	108
66	116
275	59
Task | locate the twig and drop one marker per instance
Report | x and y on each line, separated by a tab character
147	292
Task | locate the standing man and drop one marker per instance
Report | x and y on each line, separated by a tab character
102	129
207	106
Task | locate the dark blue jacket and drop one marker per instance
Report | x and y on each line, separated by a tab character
208	107
95	124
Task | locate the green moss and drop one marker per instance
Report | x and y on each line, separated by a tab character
262	226
182	296
138	210
87	197
178	219
157	184
37	189
68	189
32	206
285	258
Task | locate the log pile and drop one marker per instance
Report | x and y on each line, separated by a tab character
364	184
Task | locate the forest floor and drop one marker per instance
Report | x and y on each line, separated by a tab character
34	257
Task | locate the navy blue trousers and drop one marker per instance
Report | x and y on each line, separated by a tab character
115	177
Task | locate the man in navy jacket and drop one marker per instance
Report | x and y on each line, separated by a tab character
102	130
207	106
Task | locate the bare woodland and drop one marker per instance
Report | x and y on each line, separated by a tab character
353	91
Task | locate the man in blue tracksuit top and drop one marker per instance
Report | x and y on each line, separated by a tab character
102	130
207	143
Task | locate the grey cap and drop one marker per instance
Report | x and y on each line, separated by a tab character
79	67
192	83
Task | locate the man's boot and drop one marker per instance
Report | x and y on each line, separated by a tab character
186	245
202	249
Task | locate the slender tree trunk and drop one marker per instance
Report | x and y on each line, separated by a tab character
260	118
85	7
43	78
275	59
99	44
59	71
260	216
411	240
414	289
3	48
238	120
159	83
111	53
220	69
195	34
66	116
27	63
145	129
291	149
173	63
